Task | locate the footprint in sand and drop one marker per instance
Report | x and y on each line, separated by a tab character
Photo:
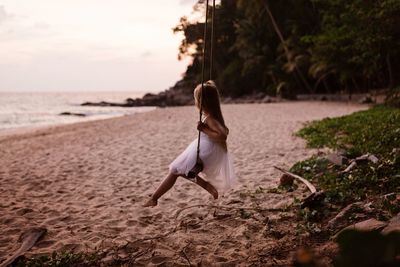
131	223
45	243
158	260
24	211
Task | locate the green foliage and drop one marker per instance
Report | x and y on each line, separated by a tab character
393	97
355	36
375	131
327	45
245	214
63	259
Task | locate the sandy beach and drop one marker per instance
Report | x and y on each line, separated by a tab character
86	182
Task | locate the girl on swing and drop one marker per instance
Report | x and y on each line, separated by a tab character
217	167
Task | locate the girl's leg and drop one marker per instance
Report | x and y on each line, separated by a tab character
207	186
165	185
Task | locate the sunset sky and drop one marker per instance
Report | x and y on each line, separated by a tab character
90	45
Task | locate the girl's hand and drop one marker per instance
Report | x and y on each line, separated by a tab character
201	126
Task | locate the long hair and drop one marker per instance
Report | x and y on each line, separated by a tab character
210	100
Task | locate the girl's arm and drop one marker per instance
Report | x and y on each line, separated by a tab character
213	129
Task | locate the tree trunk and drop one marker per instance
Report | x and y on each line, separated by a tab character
389	66
327	88
285	48
356	85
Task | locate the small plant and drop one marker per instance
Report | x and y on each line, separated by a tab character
245	214
62	259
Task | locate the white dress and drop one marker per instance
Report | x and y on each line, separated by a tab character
218	167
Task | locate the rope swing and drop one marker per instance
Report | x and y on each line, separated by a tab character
199	164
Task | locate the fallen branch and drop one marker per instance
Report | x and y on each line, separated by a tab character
301	179
352	165
344	214
361	160
28	239
185	256
315	198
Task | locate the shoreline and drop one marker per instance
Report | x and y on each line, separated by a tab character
26	130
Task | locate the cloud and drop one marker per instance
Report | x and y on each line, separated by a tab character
16	27
187	2
146	54
41	25
4	15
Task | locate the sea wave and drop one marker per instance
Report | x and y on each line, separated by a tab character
44	109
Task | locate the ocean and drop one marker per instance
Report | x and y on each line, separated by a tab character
43	109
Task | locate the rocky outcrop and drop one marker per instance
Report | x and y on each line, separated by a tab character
180	94
251	98
72	114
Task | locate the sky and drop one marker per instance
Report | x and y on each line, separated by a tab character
90	45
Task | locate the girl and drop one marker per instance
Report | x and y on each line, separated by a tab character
217	165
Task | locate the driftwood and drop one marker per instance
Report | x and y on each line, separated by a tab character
350	167
301	179
365	158
315	198
28	240
361	160
337	159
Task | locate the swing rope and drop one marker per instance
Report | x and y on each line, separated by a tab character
199	166
212	40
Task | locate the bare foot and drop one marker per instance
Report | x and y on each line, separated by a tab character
211	189
207	186
150	203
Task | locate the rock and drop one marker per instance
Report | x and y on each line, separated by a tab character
337	159
180	94
314	200
393	226
268	99
99	104
370	225
72	114
367	100
304	257
343	215
367	249
286	180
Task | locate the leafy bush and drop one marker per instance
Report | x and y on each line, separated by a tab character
375	131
